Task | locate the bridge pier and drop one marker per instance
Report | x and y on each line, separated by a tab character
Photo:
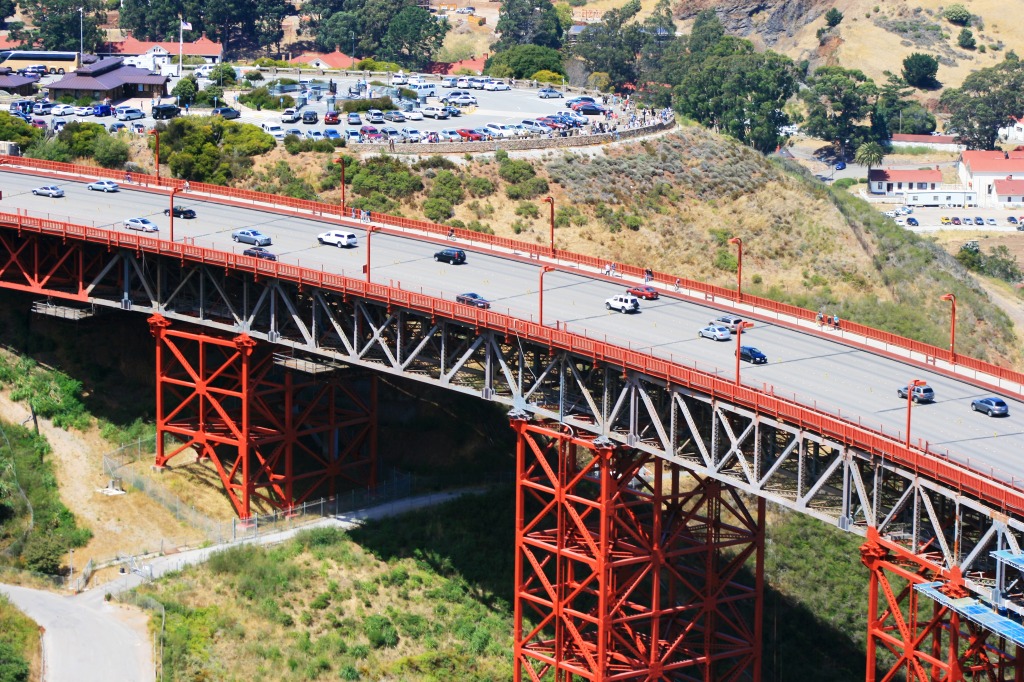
629	567
274	432
908	640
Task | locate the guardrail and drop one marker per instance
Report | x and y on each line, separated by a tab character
999	492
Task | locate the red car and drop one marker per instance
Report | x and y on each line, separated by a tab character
646	293
39	123
467	134
552	123
332	118
370	133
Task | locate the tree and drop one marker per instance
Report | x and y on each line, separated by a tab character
223	74
966	39
957	14
919	70
13	666
185	90
414	36
17	130
833	17
57	22
525	60
707	31
611	45
870	154
110	152
528	22
7	8
837	100
153	19
988	100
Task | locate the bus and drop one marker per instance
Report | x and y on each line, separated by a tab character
53	62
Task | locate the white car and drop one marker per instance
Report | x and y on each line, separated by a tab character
624	303
273	129
84	111
103	186
399	79
500	130
730	322
141	224
496	85
48	191
63	110
314	135
714	332
449	135
434	112
338	238
411	135
413	115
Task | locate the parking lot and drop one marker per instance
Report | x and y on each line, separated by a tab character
930	218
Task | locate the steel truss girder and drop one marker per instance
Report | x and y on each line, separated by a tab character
273	434
628	567
926	642
782	462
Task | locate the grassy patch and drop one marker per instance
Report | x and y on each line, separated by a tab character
19	643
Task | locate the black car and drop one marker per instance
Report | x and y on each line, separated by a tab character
181	212
751	354
259	252
453	256
589	109
474	300
226	112
452	111
166	111
310	117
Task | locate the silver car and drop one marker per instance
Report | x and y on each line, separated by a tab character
48	191
250	236
141	224
714	332
103	186
730	322
991	405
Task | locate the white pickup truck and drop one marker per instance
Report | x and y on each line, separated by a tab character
274	129
290	116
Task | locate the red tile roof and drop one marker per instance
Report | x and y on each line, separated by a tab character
333	60
1007	188
925	139
474	64
928	175
999	165
204	47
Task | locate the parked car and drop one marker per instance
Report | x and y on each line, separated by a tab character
226	113
992	406
913	222
550	93
162	111
624	303
840	165
434	112
394	116
293	131
42	108
922	394
48	191
990	221
141	224
130	115
945	220
464	100
1012	221
63	110
314	135
473	300
354	119
496	85
117	127
453	256
979	221
332	134
352	136
645	292
469	135
103	186
309	117
500	130
339	238
369	133
453	112
181	212
414	115
374	116
391	133
291	116
484	133
714	332
956	221
589	109
578	100
259	252
752	355
534	127
411	134
332	118
449	135
251	236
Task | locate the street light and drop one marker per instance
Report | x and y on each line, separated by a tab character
352	35
910	401
739	269
369	233
341	160
550	200
174	190
156	133
81	34
546	268
952	326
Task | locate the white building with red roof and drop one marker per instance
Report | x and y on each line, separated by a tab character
331	60
1009	192
165	52
979	170
919	187
945	143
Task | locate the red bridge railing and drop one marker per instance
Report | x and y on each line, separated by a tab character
1001	493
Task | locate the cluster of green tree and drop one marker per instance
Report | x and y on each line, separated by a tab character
988	99
242	26
14	129
19	639
398	30
80	140
210	149
998	263
57	23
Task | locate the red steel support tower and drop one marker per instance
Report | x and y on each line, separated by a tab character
273	432
911	637
628	567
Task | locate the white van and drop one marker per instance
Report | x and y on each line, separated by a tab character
203	71
337	238
424	89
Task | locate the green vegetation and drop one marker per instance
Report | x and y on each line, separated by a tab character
17	130
998	263
19	642
966	39
919	70
523	61
957	14
833	18
210	149
986	101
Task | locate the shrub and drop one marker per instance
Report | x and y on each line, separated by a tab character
437	209
528	209
529	189
49	150
845	183
13	667
919	70
516	171
185	90
966	39
833	17
359	105
480	187
546	76
957	14
110	152
381	632
599	81
447	186
253	76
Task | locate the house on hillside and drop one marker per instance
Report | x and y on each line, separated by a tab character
1009	192
331	60
1013	133
979	170
944	143
890	182
109	78
164	53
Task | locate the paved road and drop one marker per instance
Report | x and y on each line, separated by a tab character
813	368
87	639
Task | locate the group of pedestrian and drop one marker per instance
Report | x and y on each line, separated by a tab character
648	276
609	270
827	320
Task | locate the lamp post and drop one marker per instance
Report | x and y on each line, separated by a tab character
341	160
156	133
352	35
550	200
739	344
81	34
910	401
546	268
739	269
174	190
952	326
369	233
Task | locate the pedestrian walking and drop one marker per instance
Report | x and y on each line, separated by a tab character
677	284
820	319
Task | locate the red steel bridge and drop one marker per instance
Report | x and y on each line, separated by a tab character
642	475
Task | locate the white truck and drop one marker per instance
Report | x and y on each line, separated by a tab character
290	116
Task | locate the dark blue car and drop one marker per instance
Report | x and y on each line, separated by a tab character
840	165
753	355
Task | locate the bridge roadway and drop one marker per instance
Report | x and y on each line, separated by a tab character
808	365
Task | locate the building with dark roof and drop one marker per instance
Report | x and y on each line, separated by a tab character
109	78
17	85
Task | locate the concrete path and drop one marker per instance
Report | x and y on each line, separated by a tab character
88	639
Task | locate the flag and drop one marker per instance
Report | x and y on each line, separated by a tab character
186	26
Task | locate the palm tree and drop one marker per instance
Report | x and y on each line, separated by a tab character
870	154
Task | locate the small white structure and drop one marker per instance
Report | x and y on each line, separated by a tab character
894	183
1013	133
942	143
1009	192
979	170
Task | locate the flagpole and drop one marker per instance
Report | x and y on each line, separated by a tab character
181	39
